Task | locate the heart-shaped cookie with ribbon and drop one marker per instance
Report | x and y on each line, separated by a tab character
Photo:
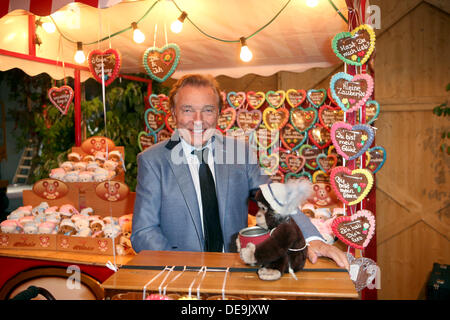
297	176
351	186
146	140
320	176
164	102
295	97
160	63
351	92
354	47
316	97
154	119
226	119
327	162
376	158
263	138
170	122
256	99
153	101
269	163
236	99
248	120
282	154
111	61
319	136
291	138
295	163
372	111
310	154
61	97
356	230
275	98
275	119
329	115
303	118
351	141
278	177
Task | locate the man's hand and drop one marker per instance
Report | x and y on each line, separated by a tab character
319	248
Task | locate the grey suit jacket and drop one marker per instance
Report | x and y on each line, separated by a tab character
166	213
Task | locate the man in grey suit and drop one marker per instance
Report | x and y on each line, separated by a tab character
176	208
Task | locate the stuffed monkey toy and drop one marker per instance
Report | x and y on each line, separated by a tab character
285	250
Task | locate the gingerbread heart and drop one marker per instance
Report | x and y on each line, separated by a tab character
256	99
226	119
111	61
351	141
263	138
170	122
326	162
295	163
316	97
356	230
164	102
146	140
278	177
310	153
351	92
303	118
275	119
163	134
269	163
153	100
248	120
376	159
320	176
275	99
282	154
319	136
295	97
354	47
372	111
160	63
351	186
154	119
329	115
297	176
291	138
61	97
236	99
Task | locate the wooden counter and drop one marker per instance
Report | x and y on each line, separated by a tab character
323	280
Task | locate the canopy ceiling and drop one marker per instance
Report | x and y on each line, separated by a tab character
297	40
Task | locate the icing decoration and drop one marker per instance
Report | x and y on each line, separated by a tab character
295	97
316	97
354	47
291	138
320	136
236	99
256	99
153	100
328	115
154	119
170	122
269	163
303	118
237	133
372	111
331	97
351	141
295	163
351	92
351	187
226	120
146	140
356	230
61	97
327	162
363	271
297	176
282	154
164	102
320	177
310	153
160	63
376	157
264	138
248	120
277	177
111	61
275	119
275	99
332	150
163	134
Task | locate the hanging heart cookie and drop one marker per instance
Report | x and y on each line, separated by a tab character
275	99
297	176
154	119
320	176
291	138
248	120
256	99
269	163
326	162
61	97
351	187
351	141
372	111
319	136
356	230
354	47
236	99
160	63
351	92
303	118
376	158
226	119
146	140
329	115
295	163
263	138
316	97
163	135
278	177
282	154
111	61
275	119
295	97
170	122
310	154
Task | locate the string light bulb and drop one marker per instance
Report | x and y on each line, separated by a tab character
138	36
246	55
49	27
79	55
312	3
177	25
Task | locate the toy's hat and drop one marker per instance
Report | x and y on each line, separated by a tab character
285	198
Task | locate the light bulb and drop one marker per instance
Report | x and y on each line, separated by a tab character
138	36
246	55
312	3
79	55
177	25
49	27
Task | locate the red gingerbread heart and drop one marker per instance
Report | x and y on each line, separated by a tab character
111	61
61	98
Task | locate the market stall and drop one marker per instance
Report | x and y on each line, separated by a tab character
323	135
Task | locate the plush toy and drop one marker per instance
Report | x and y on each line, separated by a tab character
285	250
